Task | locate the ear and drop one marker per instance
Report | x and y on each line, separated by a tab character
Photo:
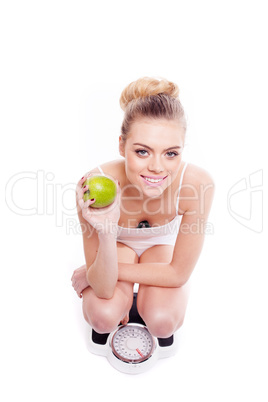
121	146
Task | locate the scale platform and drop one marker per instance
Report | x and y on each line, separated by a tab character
131	348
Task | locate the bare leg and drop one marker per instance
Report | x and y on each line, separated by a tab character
162	309
104	315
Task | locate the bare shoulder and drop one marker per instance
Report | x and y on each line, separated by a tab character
115	169
197	188
196	176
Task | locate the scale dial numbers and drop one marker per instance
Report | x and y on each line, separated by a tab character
132	343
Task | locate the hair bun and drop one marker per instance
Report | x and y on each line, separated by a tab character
145	87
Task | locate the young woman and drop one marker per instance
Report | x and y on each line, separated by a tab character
153	233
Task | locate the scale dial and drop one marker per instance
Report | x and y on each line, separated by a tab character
132	343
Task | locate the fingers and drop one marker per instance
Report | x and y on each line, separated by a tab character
79	282
80	200
82	181
86	211
77	288
81	189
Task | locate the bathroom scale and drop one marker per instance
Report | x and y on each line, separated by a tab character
131	348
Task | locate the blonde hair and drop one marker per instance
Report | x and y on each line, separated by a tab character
152	98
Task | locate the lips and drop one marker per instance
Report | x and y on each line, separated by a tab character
154	180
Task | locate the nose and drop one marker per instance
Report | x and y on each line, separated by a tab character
155	165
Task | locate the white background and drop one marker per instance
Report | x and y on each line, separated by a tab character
64	65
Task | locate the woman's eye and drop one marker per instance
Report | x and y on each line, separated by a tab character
141	152
172	154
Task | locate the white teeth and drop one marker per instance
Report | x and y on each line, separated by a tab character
153	180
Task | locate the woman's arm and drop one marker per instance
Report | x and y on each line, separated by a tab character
99	231
173	274
195	200
102	275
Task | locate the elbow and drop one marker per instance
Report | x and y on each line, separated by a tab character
104	292
179	280
182	282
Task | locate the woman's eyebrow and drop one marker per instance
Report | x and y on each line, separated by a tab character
146	146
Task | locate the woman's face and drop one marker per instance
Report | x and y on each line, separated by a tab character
153	152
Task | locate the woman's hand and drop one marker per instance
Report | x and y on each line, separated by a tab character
79	280
104	220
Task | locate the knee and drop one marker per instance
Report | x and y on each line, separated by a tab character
163	324
102	320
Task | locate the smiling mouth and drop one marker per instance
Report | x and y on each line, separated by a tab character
153	180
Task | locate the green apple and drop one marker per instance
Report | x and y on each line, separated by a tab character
102	189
